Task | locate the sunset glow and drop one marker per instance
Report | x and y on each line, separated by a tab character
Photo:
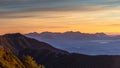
60	16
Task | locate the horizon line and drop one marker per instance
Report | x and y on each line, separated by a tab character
107	33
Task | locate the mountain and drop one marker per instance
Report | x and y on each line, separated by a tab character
15	47
84	43
86	61
20	45
70	35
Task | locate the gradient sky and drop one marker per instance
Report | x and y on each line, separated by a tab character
59	16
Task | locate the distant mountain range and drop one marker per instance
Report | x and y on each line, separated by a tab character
14	47
73	35
77	42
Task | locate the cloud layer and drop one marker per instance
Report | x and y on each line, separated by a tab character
21	6
59	15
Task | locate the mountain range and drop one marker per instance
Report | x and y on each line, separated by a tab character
14	47
74	35
66	35
84	43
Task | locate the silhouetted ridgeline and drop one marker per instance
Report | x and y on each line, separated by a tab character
22	46
24	52
70	35
85	61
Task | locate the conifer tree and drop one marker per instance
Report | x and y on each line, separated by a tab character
29	62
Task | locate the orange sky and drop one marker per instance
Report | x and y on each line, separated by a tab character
89	22
71	17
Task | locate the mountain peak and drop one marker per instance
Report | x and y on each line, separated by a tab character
72	32
13	35
100	34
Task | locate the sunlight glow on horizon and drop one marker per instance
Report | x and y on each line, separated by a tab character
60	16
72	21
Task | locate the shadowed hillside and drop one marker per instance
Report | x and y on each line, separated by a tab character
23	52
85	61
8	60
22	46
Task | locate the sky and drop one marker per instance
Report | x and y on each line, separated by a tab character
89	16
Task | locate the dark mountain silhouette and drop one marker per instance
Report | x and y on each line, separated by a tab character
21	46
85	61
52	57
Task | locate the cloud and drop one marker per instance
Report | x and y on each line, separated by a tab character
114	25
9	8
10	17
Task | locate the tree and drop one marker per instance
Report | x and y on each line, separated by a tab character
30	63
42	66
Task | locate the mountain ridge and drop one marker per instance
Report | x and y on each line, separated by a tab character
77	42
20	45
70	35
55	58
